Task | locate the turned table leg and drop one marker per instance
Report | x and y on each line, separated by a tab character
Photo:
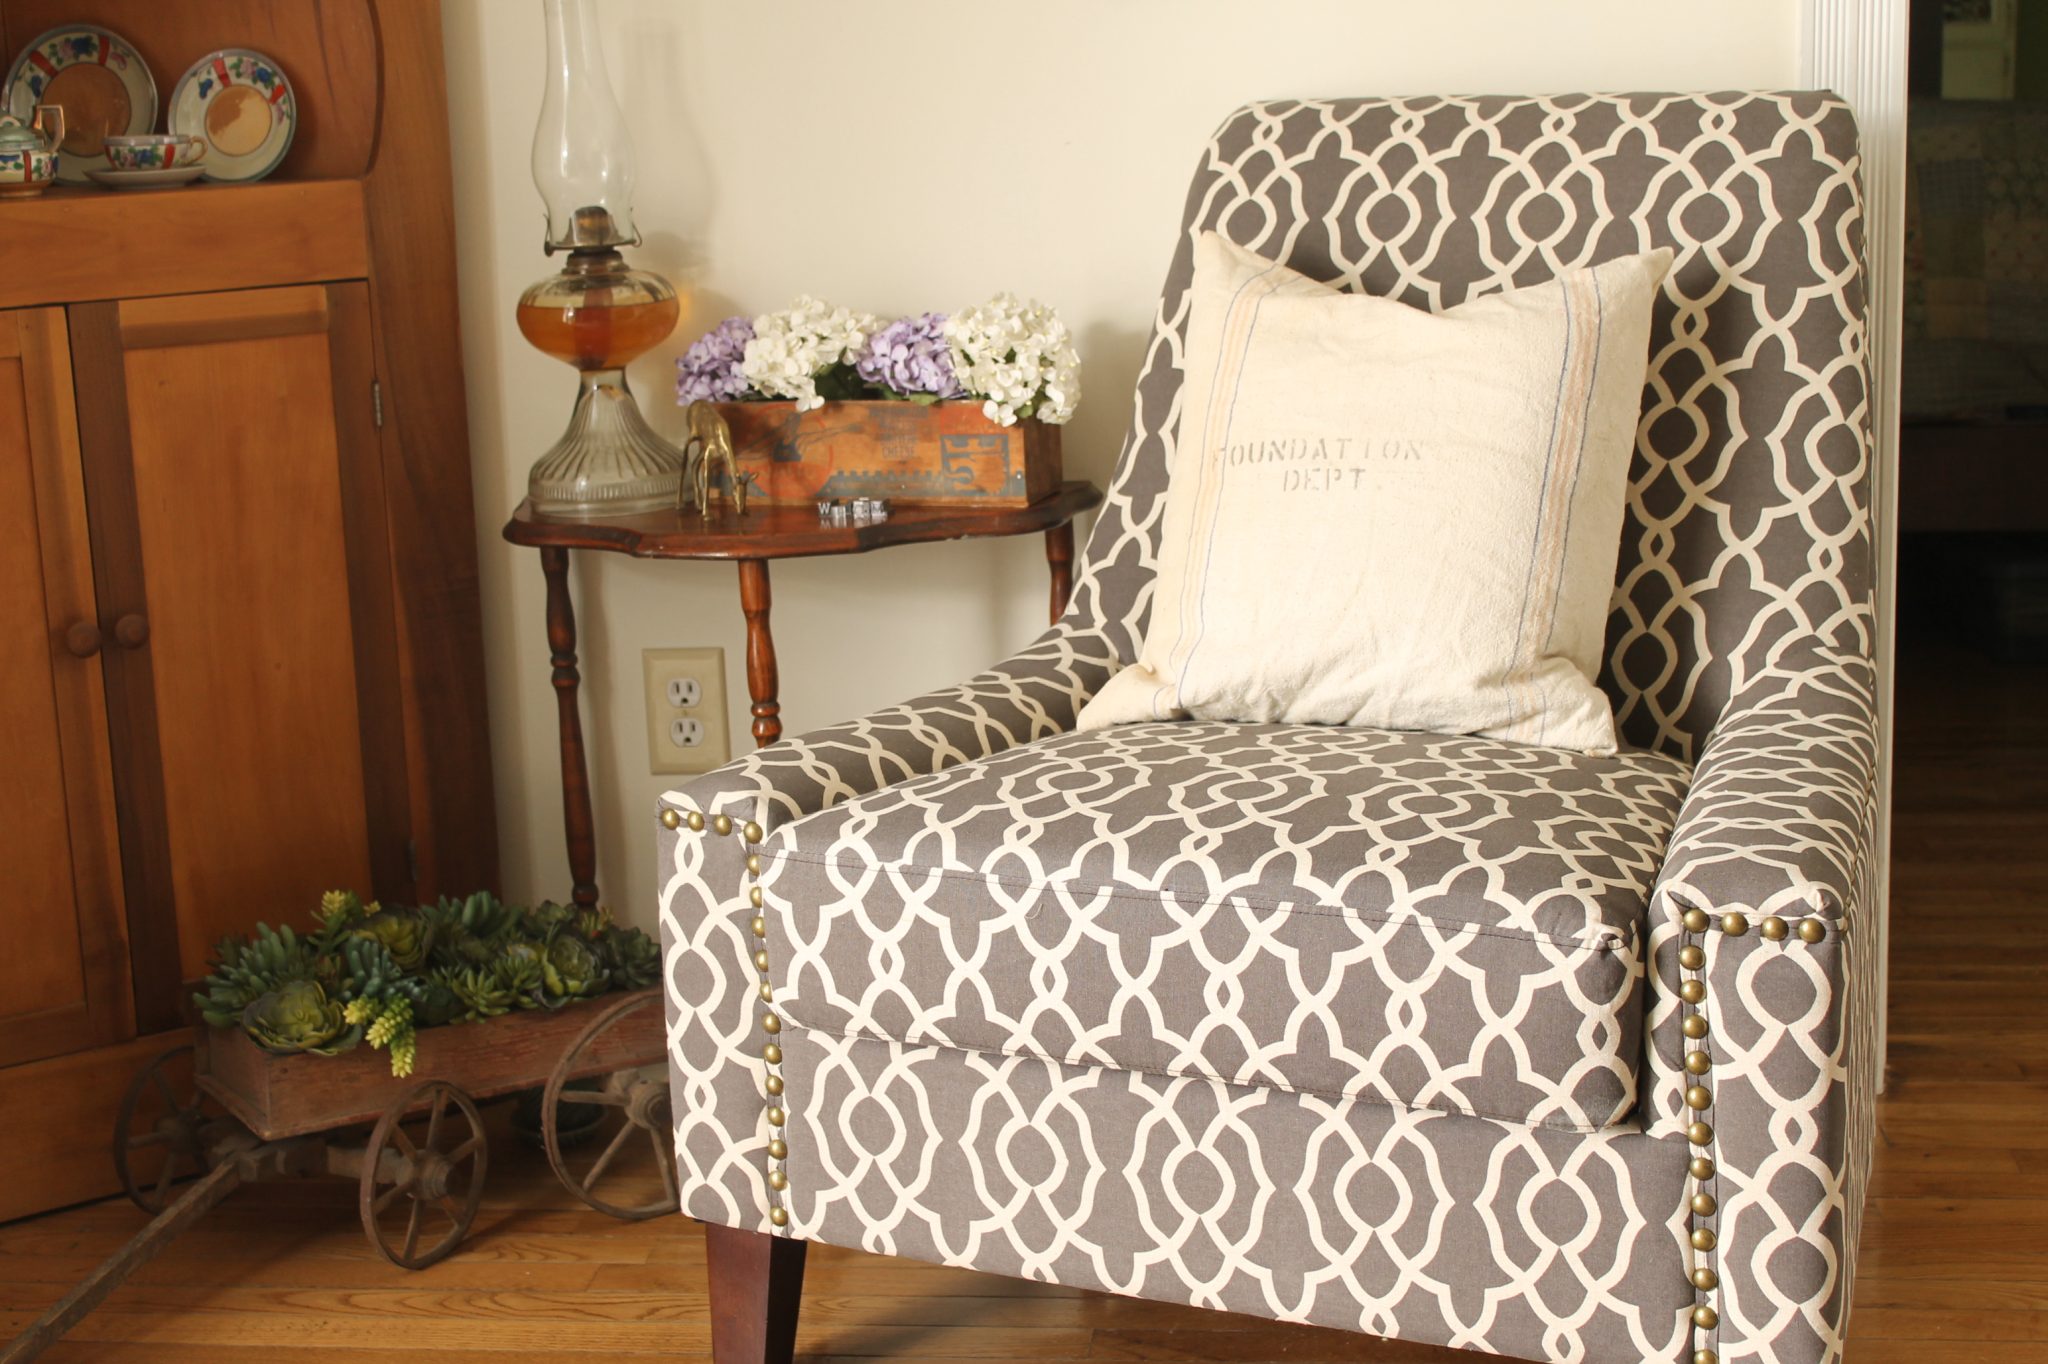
762	682
577	823
757	1284
1059	555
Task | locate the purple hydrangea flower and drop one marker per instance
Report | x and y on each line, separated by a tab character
710	369
910	355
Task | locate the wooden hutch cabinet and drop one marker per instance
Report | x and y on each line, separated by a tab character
237	558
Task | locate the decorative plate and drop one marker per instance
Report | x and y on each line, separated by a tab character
240	102
99	79
142	179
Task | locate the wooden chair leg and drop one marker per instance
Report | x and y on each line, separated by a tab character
757	1284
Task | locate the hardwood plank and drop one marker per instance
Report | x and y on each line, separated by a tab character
409	204
180	241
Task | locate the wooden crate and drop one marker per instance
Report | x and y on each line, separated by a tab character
907	453
288	1096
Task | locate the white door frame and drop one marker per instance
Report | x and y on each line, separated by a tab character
1857	48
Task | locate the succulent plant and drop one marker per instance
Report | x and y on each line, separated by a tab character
479	990
368	973
571	970
404	933
297	1017
633	957
521	973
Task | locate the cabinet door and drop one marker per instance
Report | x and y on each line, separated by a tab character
240	551
64	973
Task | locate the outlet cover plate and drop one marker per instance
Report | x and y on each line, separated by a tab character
707	667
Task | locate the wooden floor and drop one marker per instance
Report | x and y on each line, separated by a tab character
1955	1255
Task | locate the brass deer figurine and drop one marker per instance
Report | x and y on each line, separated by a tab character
709	445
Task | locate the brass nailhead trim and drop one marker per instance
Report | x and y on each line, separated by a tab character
767	994
759	926
770	1023
775	1115
1702	1168
1696	921
1698	1062
670	819
1773	929
695	820
1692	991
1705	1280
1702	1238
779	1215
1691	957
778	1148
772	1054
761	959
1706	1318
1703	1205
774	1084
777	1180
753	864
1705	1357
752	832
754	897
1734	925
1700	1134
1699	1098
721	824
1812	930
1695	1026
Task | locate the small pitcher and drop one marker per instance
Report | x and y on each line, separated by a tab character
28	151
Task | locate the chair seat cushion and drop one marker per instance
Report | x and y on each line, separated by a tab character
1429	921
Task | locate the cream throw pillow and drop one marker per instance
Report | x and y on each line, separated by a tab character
1387	517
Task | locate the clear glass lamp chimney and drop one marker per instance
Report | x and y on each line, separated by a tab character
582	153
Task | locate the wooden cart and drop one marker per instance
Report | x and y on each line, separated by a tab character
202	1120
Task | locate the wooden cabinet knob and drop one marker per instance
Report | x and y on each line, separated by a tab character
131	630
82	639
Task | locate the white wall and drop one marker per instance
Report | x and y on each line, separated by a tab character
898	157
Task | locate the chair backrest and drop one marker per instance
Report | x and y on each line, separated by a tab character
1748	528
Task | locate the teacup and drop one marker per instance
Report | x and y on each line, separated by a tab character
154	151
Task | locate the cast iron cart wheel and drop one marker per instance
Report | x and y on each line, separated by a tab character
420	1189
160	1113
642	1104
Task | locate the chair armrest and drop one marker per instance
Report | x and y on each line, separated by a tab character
1781	810
1034	694
711	828
1759	944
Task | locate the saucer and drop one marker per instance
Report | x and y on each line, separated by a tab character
143	179
241	104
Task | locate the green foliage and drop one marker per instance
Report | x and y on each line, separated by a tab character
376	974
298	1016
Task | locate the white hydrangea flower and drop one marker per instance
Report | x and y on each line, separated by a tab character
791	348
1019	357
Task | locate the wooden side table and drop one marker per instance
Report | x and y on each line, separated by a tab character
764	533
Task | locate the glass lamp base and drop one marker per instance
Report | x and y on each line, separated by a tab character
609	462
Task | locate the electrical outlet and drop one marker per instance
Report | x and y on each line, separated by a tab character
687	728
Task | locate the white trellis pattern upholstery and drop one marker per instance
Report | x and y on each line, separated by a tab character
915	1100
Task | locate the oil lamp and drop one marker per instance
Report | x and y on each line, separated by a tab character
598	313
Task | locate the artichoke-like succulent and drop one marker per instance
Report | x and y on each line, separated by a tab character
298	1016
571	970
543	920
402	933
633	958
593	924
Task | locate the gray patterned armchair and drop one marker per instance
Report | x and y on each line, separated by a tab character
1438	1038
